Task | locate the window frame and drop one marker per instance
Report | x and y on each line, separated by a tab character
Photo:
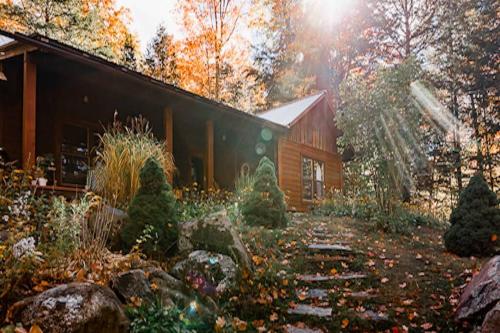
312	180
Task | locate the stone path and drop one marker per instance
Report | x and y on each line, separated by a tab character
313	288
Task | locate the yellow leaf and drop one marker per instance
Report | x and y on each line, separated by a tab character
80	276
333	271
257	260
35	329
345	323
220	323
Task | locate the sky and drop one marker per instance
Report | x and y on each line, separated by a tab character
147	15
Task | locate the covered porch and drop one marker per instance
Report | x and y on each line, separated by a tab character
56	100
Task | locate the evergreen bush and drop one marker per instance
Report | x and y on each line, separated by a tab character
265	204
153	211
475	222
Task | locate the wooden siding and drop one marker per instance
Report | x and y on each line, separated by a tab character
290	171
316	129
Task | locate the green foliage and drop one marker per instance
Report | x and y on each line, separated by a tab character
153	207
475	222
381	122
401	220
196	203
265	205
156	318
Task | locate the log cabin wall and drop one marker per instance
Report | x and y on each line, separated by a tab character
11	108
313	136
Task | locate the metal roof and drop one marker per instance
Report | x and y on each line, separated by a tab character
287	114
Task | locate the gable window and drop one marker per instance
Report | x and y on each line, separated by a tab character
313	179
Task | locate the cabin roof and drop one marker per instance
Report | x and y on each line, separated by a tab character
71	52
289	113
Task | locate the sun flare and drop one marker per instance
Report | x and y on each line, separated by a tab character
330	10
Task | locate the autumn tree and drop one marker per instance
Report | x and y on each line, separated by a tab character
92	25
403	28
212	50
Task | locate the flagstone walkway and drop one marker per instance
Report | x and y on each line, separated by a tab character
315	289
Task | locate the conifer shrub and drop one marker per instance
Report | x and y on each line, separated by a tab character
153	214
265	204
475	222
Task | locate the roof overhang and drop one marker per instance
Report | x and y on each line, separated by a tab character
53	46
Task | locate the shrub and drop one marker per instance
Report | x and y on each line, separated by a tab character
475	222
265	204
153	209
156	318
121	155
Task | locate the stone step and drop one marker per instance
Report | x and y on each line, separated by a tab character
319	294
322	278
294	329
330	247
373	316
360	295
326	258
310	310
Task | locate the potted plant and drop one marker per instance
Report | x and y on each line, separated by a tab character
45	166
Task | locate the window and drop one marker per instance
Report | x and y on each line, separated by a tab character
313	179
75	154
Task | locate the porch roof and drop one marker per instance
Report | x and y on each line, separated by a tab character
70	52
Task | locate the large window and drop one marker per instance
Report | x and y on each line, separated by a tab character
313	179
75	154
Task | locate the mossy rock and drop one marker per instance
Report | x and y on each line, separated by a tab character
214	233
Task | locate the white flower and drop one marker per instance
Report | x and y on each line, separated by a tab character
5	218
23	247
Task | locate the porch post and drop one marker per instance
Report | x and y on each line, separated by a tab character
168	125
209	155
29	112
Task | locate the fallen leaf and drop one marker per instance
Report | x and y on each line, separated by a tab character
384	280
345	323
35	329
273	316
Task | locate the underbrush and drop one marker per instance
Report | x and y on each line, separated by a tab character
157	318
402	218
195	203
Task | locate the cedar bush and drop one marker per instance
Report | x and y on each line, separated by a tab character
265	204
153	211
475	222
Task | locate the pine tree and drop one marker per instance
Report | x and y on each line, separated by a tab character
152	212
475	222
265	205
161	57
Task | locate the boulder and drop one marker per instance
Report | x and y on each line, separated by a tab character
214	233
209	273
73	308
168	288
491	323
482	292
130	284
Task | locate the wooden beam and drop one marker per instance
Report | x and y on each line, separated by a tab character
209	177
10	51
168	125
29	112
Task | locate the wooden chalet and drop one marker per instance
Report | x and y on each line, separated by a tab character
308	161
55	99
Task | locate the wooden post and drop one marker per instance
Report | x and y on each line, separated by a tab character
29	113
168	125
209	155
